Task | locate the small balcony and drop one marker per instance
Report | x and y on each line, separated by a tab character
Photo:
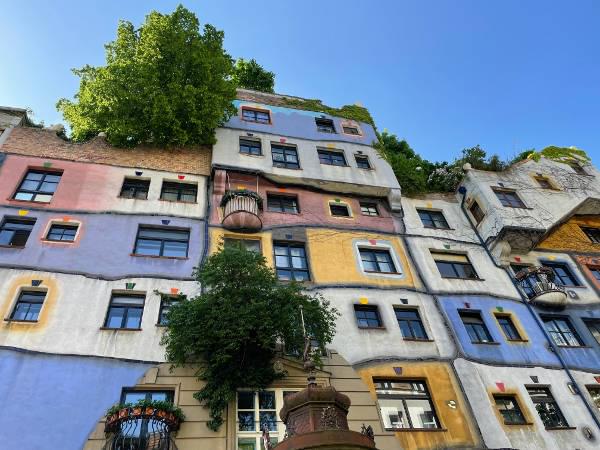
135	428
539	286
241	210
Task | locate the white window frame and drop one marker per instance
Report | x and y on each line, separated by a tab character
379	245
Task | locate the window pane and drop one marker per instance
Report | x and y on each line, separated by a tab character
134	318
421	413
393	414
23	196
246	400
147	247
266	400
178	249
246	421
115	317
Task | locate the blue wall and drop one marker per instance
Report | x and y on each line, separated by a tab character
104	247
300	124
54	402
533	352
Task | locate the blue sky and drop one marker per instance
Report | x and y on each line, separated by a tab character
508	75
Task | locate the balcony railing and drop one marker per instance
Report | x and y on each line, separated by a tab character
139	429
539	286
241	210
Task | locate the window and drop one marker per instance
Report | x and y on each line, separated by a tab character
250	147
546	407
562	274
477	212
325	125
60	232
133	396
154	241
179	192
433	219
252	245
285	156
367	316
595	394
475	326
362	161
578	169
369	209
508	327
509	199
291	262
255	410
594	327
332	158
595	272
256	115
14	232
509	408
379	261
282	203
28	306
410	323
527	283
544	183
405	404
135	188
125	311
562	332
339	210
351	130
38	186
593	234
166	301
142	434
454	265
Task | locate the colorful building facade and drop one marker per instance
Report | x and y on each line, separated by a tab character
467	320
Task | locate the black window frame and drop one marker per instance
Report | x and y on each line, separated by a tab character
6	223
414	325
179	189
509	198
336	208
593	326
325	125
252	147
65	227
560	421
544	182
559	335
592	233
332	157
363	251
166	302
475	326
345	129
510	416
252	115
135	186
33	300
476	212
568	273
433	219
126	307
363	162
286	151
38	190
370	207
290	268
421	394
360	314
508	327
162	240
283	203
457	267
170	394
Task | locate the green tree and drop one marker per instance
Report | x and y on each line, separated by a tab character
232	331
165	83
251	75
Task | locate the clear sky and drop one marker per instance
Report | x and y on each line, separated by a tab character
508	75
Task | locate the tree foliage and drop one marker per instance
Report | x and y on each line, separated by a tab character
165	83
234	328
249	74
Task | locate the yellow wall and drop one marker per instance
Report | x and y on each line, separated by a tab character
457	427
570	237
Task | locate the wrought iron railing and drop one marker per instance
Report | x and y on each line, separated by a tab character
537	281
140	433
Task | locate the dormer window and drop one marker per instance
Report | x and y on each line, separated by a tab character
325	125
256	115
351	130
